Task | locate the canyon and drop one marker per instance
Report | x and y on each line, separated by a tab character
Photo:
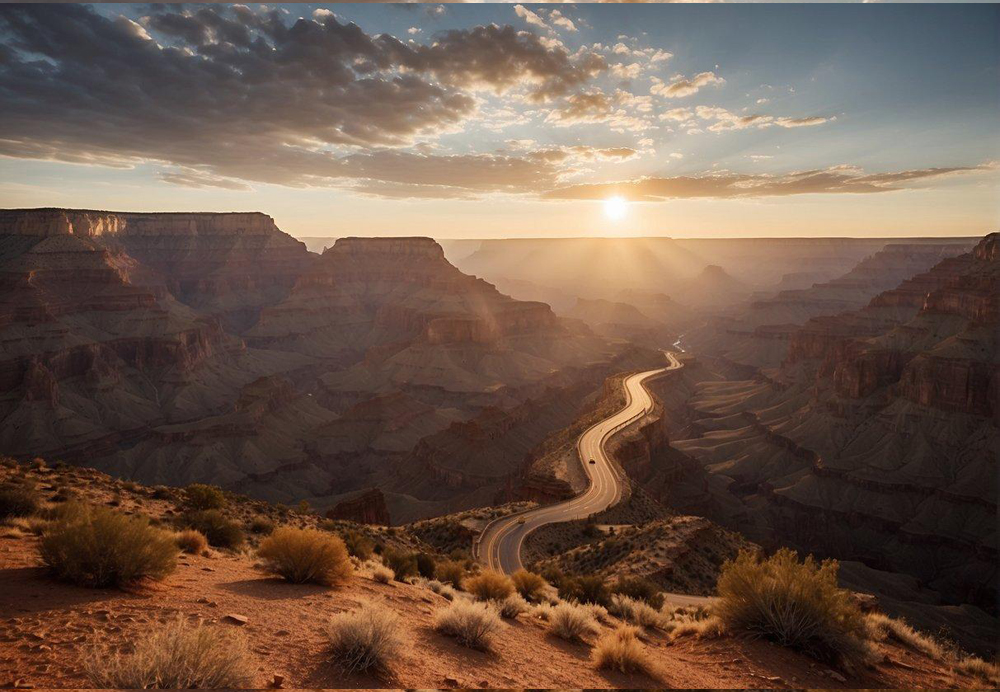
176	348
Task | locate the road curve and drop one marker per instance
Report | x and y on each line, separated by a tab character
499	546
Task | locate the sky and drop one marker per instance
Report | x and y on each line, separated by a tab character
510	120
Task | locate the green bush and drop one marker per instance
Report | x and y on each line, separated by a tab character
99	547
306	555
358	545
796	604
220	532
640	589
426	566
403	565
18	500
199	496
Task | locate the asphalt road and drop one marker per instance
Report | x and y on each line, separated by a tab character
500	545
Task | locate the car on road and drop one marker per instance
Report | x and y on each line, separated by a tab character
521	520
592	461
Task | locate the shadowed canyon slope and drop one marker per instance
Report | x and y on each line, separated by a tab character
876	440
175	348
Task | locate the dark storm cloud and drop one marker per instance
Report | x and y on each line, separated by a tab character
228	93
734	185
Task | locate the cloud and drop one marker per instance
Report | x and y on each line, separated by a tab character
837	180
681	86
559	19
215	94
726	120
529	16
197	179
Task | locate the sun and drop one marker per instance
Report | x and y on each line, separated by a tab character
615	208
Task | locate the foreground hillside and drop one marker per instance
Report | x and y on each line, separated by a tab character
54	630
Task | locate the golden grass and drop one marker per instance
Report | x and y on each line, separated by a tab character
571	622
472	624
178	656
367	640
191	541
531	586
622	651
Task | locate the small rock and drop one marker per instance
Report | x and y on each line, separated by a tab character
277	681
21	684
282	633
207	569
235	619
836	676
451	681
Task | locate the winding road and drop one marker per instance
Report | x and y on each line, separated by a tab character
499	546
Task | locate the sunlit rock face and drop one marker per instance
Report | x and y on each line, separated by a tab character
228	265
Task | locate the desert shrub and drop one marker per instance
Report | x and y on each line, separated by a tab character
191	541
622	651
640	589
796	604
443	590
383	575
178	656
450	572
200	496
366	640
358	545
531	586
18	500
261	526
635	612
512	606
306	556
162	492
99	547
220	531
426	566
402	564
571	622
489	586
471	623
586	589
598	612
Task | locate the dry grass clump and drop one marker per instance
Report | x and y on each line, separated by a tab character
622	651
18	500
191	541
880	627
306	555
366	640
99	547
706	628
571	622
531	586
512	606
796	604
402	564
472	624
489	586
636	612
261	526
179	656
450	572
382	574
440	589
358	545
978	668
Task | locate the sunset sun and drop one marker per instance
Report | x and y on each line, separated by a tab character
615	208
